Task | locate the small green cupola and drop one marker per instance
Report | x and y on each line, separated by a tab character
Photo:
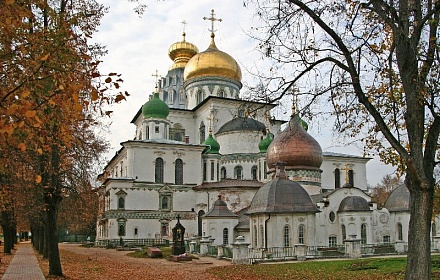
265	142
213	145
155	108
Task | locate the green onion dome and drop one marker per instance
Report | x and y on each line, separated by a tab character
214	146
155	108
264	143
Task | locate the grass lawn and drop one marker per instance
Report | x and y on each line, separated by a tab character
371	268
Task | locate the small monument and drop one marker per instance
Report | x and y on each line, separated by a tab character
178	247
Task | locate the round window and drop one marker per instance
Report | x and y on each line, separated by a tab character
332	216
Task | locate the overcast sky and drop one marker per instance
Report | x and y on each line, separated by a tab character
138	46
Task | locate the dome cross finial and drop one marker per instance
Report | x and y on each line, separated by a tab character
156	77
212	19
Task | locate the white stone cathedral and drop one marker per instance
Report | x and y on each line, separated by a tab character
205	155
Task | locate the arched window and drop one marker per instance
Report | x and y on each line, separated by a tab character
212	171
164	229
221	93
199	96
255	236
265	170
182	96
202	132
344	233
223	172
351	177
286	236
238	170
433	229
363	234
199	222
165	97
262	236
158	176
164	203
121	231
301	234
399	232
225	236
337	178
121	202
254	172
178	172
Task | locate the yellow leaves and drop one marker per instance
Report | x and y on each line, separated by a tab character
25	94
30	113
38	179
40	151
12	109
22	147
77	107
8	129
9	2
44	58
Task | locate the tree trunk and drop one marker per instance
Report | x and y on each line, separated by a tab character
419	244
8	239
52	240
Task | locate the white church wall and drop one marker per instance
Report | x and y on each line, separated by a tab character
236	199
357	164
145	154
236	142
184	200
246	169
186	119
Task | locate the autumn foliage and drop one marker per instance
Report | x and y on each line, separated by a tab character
52	96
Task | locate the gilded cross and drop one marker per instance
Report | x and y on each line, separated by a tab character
212	19
346	169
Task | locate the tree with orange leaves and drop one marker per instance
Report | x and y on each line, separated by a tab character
50	89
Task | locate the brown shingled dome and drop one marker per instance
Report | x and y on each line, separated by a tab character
295	147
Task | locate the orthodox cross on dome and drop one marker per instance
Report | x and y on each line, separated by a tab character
295	105
184	25
212	19
156	77
346	169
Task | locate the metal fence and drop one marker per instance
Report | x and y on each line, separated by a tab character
113	243
326	252
275	253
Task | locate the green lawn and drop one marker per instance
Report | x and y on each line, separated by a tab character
371	268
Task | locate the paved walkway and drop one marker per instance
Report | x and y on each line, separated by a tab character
24	265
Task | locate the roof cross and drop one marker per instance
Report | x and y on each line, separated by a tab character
184	23
346	169
156	76
212	19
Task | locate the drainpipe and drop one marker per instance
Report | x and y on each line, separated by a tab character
265	232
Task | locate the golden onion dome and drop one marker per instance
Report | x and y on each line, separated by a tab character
181	52
212	63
